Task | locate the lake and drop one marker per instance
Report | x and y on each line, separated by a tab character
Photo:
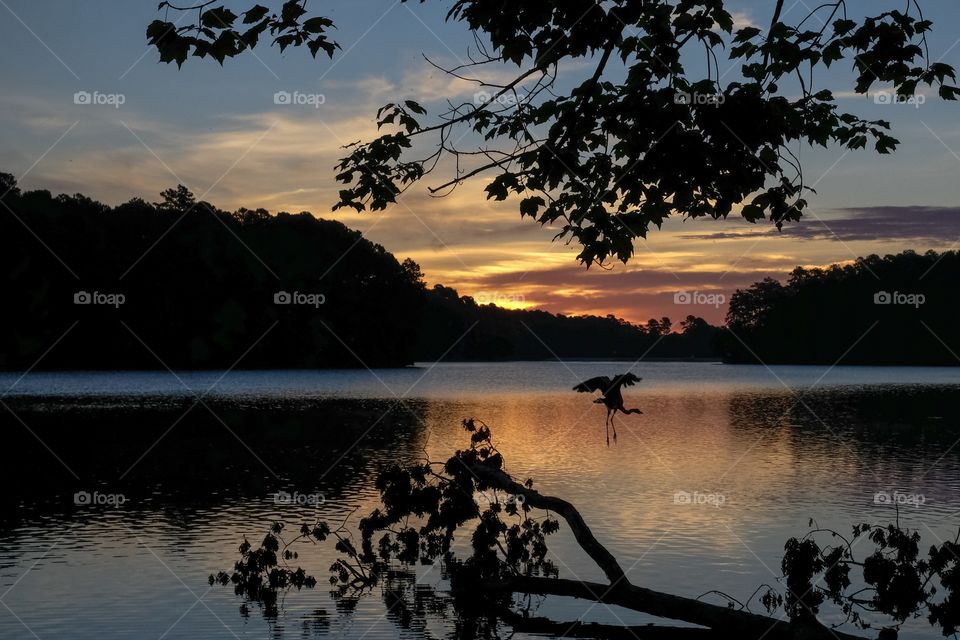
179	468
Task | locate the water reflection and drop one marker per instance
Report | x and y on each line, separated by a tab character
197	481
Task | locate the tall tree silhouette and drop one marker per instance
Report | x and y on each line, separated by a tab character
179	200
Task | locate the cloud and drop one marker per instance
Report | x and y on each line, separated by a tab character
628	292
936	226
37	114
428	84
625	280
880	93
743	19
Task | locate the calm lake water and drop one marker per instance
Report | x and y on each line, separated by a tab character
198	457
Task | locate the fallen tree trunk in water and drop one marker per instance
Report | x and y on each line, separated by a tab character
620	591
578	629
741	624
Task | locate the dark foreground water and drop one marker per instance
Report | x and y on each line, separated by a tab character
178	469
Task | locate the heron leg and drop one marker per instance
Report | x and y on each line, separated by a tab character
614	424
606	424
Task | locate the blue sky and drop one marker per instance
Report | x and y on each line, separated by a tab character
219	131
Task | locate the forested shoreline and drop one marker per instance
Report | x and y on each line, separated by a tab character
182	284
894	310
185	285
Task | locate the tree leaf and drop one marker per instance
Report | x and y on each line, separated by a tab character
255	14
218	18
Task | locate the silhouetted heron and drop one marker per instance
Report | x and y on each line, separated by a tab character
611	396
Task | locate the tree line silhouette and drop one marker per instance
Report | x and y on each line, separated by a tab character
183	284
896	310
509	334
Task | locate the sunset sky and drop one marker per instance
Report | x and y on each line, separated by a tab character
220	132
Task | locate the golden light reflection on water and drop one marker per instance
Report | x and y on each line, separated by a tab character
754	466
754	469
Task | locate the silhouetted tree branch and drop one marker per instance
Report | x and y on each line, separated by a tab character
611	158
498	479
425	506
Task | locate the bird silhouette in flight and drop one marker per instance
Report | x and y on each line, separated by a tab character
610	396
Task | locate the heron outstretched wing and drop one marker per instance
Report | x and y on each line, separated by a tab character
627	379
600	383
